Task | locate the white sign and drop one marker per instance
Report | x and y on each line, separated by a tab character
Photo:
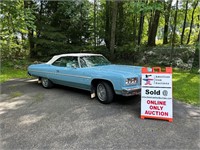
156	94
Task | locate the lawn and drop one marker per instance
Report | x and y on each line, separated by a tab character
8	73
186	87
185	84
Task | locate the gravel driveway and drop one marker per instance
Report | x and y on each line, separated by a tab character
32	117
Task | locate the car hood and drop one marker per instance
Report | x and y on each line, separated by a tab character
125	70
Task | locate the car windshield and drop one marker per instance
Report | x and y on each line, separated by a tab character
91	61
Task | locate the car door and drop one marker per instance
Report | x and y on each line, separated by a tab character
69	73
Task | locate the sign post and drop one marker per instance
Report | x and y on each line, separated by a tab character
156	95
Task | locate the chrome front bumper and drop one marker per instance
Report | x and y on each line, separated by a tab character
131	91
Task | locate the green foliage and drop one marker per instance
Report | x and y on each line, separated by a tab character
154	56
138	6
68	26
182	83
62	27
14	23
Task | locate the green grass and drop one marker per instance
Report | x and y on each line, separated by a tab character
186	87
8	73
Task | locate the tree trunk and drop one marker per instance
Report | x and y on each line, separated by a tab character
134	28
150	23
198	27
95	10
28	4
195	63
113	27
174	31
31	43
153	29
140	31
198	38
191	24
120	24
38	30
166	27
107	24
9	31
184	23
135	24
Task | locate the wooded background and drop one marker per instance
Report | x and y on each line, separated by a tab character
120	29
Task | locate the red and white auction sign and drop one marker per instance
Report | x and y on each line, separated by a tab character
156	95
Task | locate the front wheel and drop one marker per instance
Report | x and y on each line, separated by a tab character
46	83
105	93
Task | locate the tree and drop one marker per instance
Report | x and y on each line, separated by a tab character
141	24
14	28
28	5
108	22
135	22
174	30
198	27
62	26
51	27
184	23
191	23
120	24
153	26
195	63
113	27
167	8
95	23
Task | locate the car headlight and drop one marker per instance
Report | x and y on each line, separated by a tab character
131	81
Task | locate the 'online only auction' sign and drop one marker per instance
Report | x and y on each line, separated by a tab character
156	95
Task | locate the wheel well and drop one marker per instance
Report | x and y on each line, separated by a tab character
96	81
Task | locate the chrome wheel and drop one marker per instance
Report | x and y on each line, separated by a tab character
46	83
105	92
101	92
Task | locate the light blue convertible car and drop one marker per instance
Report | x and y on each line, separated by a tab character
92	72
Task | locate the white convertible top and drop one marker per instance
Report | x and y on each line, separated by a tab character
54	58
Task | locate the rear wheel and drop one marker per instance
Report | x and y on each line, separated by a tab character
105	93
46	83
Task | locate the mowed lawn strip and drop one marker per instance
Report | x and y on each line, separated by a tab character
186	87
8	73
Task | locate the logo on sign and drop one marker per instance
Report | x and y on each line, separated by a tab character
148	80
